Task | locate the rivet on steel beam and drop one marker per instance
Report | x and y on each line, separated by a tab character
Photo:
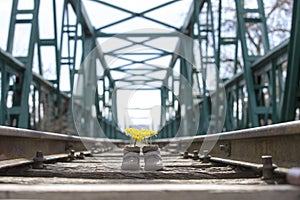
81	156
186	155
293	176
38	160
205	157
71	155
222	147
267	167
195	155
226	148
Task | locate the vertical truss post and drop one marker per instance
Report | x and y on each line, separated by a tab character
264	29
163	123
52	42
110	120
107	119
176	110
20	107
186	72
114	110
168	86
245	15
223	41
24	118
291	98
218	59
75	38
173	120
4	89
70	32
101	114
105	107
208	55
89	85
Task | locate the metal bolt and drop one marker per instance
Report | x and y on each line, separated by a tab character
268	167
196	155
226	148
81	156
71	155
38	160
222	147
186	155
205	157
293	176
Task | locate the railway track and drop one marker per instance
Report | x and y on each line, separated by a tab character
65	174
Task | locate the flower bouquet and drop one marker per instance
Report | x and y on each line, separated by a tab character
140	135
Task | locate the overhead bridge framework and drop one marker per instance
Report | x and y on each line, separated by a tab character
88	64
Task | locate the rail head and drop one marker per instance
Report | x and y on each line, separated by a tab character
281	129
33	134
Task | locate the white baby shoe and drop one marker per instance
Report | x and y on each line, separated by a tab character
131	159
152	158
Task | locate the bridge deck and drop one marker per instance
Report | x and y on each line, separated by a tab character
105	168
100	177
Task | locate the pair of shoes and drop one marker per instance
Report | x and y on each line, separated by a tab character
152	158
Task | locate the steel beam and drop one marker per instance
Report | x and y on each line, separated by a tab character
291	93
242	20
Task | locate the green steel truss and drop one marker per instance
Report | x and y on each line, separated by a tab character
291	97
257	93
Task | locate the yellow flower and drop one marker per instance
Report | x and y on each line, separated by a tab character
139	135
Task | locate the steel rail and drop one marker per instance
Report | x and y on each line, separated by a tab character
256	167
281	141
242	148
17	162
22	143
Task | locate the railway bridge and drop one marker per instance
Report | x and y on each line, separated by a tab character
217	83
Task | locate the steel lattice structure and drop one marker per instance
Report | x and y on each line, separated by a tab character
257	94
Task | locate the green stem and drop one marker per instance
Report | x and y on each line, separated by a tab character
134	142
